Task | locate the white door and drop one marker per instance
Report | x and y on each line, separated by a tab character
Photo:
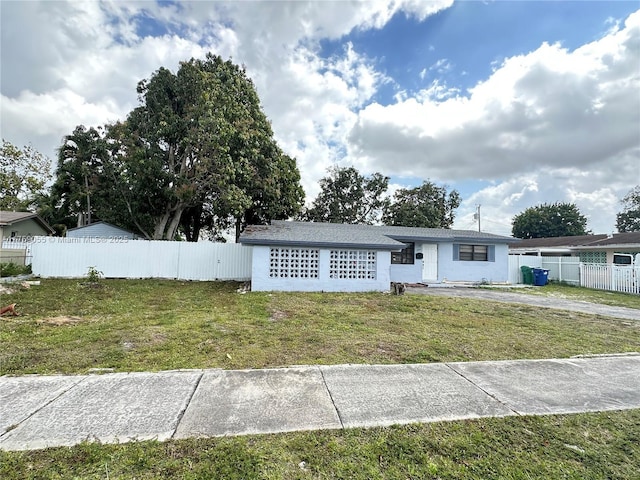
429	262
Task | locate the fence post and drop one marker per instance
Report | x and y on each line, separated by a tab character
560	269
614	285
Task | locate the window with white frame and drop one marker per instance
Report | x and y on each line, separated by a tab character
352	264
293	263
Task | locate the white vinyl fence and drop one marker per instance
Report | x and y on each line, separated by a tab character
18	252
561	269
616	278
121	258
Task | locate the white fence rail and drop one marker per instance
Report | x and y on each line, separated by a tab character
9	243
517	261
610	277
19	256
15	252
615	278
72	257
561	269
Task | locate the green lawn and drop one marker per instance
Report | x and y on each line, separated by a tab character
68	327
581	447
138	325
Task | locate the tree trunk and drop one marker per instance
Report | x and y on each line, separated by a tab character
238	229
191	223
158	232
195	234
175	222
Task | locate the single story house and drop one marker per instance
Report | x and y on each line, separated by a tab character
100	230
22	225
16	230
306	256
601	248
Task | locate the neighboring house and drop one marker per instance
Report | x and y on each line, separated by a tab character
16	230
100	230
589	248
304	256
22	225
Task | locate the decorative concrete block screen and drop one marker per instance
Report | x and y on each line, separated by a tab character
593	257
294	263
352	264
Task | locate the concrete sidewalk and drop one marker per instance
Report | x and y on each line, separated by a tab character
46	411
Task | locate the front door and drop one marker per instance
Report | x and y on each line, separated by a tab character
429	262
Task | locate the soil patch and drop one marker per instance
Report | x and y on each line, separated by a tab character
61	320
277	315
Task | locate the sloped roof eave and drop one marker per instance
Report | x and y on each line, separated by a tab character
480	239
359	236
27	216
101	222
517	250
451	239
305	243
618	246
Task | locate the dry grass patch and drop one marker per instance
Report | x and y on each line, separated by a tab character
60	320
570	292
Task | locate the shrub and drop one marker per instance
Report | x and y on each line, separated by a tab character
11	269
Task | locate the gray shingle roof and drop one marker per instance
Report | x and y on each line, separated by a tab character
583	242
9	218
357	236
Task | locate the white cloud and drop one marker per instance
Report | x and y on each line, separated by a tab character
550	108
560	118
537	117
83	59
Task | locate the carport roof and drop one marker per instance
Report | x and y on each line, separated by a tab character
357	236
629	240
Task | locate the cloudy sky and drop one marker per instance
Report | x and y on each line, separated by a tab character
511	103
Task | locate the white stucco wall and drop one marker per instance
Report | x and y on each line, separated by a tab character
465	271
261	281
407	273
496	271
455	270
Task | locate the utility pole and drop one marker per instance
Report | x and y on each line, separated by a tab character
476	215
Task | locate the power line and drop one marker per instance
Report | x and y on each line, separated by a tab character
498	223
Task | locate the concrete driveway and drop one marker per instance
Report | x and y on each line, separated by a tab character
534	300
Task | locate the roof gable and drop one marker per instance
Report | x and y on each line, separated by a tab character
106	225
